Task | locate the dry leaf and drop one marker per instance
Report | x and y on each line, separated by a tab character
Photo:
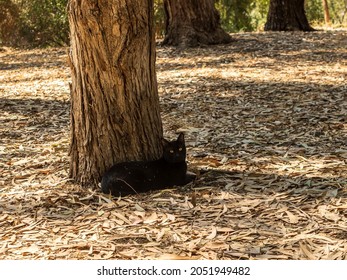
292	218
306	251
213	234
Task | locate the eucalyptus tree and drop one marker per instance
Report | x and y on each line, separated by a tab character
114	97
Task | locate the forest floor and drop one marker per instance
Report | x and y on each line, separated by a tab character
266	115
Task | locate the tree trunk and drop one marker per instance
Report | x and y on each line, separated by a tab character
287	15
326	12
114	97
190	23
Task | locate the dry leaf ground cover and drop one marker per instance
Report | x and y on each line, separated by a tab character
265	121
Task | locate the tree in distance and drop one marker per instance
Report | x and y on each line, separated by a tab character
190	23
287	15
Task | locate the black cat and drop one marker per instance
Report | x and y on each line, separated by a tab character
141	176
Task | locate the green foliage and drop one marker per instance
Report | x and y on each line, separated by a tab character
314	11
258	13
242	15
44	22
337	11
235	14
33	22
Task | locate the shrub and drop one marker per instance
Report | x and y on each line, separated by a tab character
34	22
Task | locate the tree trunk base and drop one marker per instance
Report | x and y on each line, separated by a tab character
115	114
190	23
288	15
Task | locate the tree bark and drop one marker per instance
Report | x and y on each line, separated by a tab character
326	12
190	23
287	15
114	97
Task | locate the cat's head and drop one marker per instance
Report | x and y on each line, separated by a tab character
175	151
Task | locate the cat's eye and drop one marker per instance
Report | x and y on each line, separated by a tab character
171	151
180	149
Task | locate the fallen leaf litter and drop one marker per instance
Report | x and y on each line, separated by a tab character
265	120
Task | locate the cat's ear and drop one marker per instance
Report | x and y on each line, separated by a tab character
180	138
165	143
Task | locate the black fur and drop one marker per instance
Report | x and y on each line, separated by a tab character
141	176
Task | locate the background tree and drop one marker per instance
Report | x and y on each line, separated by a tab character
326	12
114	100
287	15
340	8
193	22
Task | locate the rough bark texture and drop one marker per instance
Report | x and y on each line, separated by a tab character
190	23
114	100
287	15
